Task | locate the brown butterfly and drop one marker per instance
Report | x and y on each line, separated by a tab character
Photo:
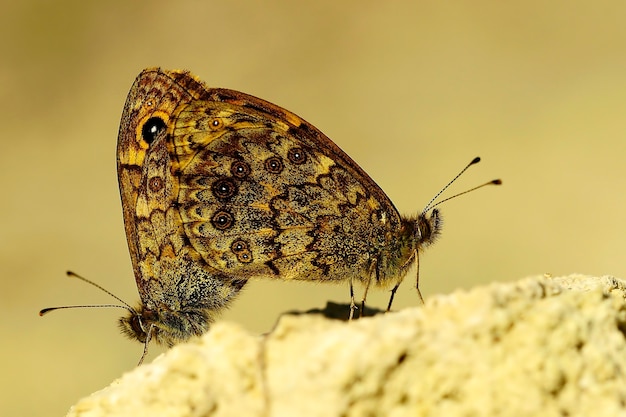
218	187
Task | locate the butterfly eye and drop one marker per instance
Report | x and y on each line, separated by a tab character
135	324
152	128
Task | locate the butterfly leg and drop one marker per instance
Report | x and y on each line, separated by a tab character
417	283
352	303
373	270
393	294
145	345
417	277
367	287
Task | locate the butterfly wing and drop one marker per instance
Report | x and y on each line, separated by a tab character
170	275
263	193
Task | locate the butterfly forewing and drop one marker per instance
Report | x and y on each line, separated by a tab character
172	278
265	197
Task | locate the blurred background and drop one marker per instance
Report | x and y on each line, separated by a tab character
412	90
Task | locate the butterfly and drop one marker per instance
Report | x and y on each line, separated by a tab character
219	187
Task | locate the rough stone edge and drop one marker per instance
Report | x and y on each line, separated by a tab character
168	385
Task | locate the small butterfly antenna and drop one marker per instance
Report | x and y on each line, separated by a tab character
492	182
71	274
474	161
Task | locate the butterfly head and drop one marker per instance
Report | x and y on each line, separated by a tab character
416	233
162	325
136	324
426	229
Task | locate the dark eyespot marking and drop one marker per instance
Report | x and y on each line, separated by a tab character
240	169
245	257
296	156
222	220
152	128
239	246
274	165
224	188
155	184
242	251
216	124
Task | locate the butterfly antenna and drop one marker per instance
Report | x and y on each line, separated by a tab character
492	182
474	161
71	274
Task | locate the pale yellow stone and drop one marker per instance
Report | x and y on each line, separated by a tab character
536	347
217	375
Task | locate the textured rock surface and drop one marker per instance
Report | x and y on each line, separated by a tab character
539	346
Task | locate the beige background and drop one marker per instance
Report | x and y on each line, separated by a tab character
412	90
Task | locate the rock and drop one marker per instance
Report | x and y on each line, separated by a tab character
540	346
